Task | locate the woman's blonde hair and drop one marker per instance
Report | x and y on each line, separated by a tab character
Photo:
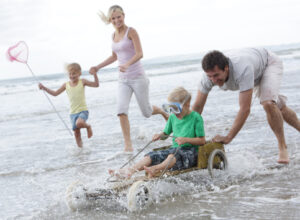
107	18
73	66
179	94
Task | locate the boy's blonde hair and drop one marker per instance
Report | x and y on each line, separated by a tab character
73	66
179	94
107	18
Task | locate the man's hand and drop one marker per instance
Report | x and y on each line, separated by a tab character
221	139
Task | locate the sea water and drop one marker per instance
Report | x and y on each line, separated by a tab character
39	159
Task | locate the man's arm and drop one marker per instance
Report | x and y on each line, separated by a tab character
245	105
200	102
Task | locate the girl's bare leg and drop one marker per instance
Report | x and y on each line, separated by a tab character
77	135
80	123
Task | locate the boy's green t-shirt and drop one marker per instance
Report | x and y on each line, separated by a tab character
191	126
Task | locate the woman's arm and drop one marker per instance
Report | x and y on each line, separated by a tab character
133	35
109	60
52	92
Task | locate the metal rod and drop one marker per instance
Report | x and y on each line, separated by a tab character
50	101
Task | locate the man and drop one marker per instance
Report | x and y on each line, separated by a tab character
245	70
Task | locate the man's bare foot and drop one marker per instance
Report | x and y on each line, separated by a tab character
283	156
89	131
150	171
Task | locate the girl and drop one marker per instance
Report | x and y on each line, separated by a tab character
75	90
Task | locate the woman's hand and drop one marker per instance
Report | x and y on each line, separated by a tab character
93	70
123	67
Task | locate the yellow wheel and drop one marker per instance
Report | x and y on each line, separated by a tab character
217	160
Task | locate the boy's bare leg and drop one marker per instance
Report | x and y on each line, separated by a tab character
275	120
290	117
77	135
157	110
169	161
126	132
80	123
128	172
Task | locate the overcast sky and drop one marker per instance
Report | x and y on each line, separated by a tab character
62	31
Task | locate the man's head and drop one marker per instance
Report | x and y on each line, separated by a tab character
216	67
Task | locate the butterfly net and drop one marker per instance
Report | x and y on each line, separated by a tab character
18	52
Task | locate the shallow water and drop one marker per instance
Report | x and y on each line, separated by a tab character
39	159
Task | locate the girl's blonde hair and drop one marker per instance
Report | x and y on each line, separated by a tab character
73	66
179	94
107	18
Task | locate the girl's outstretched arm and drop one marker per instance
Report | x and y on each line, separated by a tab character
52	92
95	83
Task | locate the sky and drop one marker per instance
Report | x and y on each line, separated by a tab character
63	31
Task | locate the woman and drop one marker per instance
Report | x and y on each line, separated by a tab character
127	49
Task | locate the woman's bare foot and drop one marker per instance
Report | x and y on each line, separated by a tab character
150	171
157	110
128	149
89	131
283	156
165	115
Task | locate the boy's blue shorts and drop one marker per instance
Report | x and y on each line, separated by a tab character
186	157
84	115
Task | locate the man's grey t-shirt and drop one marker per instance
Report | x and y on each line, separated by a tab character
246	67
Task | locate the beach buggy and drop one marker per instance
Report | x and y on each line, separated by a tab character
138	189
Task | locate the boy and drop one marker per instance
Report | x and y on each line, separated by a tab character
75	90
188	130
